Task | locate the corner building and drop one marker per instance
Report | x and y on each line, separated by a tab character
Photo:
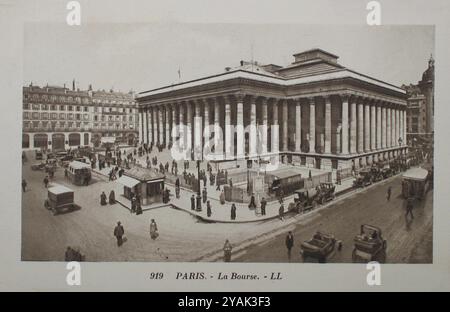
328	116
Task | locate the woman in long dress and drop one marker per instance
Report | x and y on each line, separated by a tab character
153	229
112	198
222	198
233	212
103	199
227	251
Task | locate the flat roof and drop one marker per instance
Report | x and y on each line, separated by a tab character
285	174
59	189
416	174
79	165
239	73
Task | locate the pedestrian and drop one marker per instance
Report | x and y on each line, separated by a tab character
103	199
252	204
280	196
227	251
281	212
138	206
192	202
208	209
118	233
222	198
263	206
289	244
133	204
177	192
69	254
389	192
112	198
24	185
233	212
409	207
153	229
167	194
46	181
204	195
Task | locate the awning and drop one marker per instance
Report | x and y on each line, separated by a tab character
127	181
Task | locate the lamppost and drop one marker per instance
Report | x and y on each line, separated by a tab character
199	197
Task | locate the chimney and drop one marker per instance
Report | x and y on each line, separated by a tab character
73	85
242	63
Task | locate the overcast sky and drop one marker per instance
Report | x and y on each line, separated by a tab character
146	56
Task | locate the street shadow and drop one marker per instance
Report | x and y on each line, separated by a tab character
74	208
408	223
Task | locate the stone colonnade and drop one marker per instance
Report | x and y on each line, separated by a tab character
240	125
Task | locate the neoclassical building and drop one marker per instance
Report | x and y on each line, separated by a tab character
313	112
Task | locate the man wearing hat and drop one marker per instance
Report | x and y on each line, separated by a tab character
118	233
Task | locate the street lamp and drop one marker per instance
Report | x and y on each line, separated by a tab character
199	197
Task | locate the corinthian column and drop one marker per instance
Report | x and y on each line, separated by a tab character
360	126
141	126
284	108
167	125
298	126
327	125
228	138
240	146
155	125
189	127
353	121
198	129
253	143
217	130
383	125
173	133
378	125
161	127
144	121
275	127
388	127
344	118
182	129
312	125
206	115
373	126
150	125
367	127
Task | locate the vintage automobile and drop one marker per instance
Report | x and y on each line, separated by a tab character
369	245
38	155
304	201
286	182
363	179
415	183
79	173
319	247
60	198
386	172
325	192
38	166
377	174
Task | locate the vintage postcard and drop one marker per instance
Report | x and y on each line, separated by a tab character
275	143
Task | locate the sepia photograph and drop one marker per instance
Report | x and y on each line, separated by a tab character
270	143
